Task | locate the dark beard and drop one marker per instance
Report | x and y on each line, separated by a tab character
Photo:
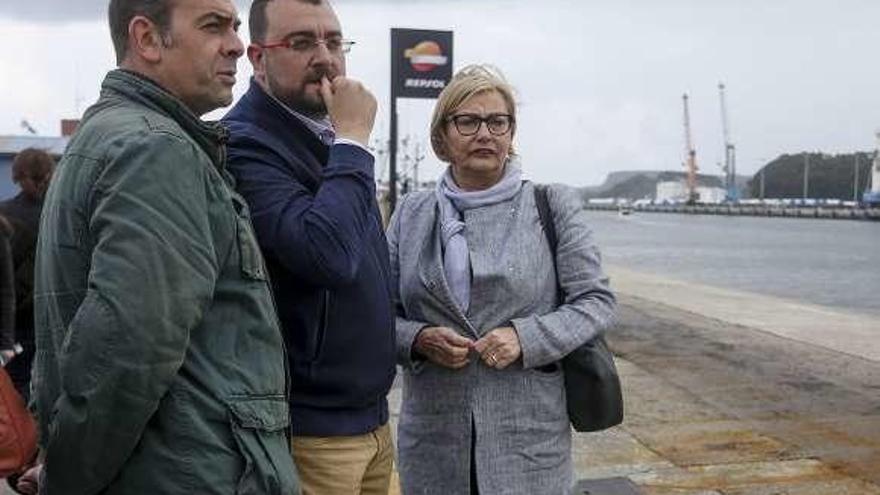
298	101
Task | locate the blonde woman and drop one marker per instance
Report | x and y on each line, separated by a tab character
480	333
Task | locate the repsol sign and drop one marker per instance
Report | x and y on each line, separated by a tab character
425	83
421	62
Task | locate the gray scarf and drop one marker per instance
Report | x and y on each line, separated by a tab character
453	203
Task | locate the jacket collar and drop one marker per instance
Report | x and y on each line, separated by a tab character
319	128
266	105
210	136
269	115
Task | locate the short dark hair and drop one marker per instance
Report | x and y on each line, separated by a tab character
257	22
32	162
121	12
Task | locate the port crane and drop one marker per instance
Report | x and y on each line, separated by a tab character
729	166
690	155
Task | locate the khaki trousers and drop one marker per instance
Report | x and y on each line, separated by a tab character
351	465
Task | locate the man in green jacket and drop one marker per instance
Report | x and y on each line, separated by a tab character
160	365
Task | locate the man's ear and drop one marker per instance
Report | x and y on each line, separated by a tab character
145	39
257	57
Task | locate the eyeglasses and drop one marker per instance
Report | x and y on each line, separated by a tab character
307	44
468	124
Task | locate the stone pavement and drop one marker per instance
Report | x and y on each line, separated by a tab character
716	407
791	407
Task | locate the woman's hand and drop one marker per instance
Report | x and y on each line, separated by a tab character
29	481
6	355
443	346
499	348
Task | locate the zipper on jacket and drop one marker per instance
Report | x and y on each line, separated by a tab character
322	327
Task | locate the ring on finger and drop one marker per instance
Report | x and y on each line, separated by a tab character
492	359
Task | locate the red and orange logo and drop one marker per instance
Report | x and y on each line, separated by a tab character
426	56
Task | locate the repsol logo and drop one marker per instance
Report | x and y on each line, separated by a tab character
425	83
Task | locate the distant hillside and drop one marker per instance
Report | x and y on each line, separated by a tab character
830	177
615	178
635	185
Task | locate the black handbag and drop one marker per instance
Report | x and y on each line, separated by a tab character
592	386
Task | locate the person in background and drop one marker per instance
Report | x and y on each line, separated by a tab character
160	362
32	170
7	294
298	151
480	334
9	349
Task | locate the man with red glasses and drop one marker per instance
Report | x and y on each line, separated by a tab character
298	151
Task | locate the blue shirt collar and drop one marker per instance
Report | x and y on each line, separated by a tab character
321	128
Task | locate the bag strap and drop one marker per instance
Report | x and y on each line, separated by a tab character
545	215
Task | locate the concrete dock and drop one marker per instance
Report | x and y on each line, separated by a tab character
738	394
871	213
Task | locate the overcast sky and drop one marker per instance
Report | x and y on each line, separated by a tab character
599	82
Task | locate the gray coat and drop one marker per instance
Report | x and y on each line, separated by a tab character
523	439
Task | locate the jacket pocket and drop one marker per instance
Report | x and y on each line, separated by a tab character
259	427
553	368
252	266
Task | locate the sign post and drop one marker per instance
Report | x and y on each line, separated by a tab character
421	66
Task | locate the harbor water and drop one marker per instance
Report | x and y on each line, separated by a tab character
821	262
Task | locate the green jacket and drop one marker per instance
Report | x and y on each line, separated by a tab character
160	365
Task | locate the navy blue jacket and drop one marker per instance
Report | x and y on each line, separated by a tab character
314	210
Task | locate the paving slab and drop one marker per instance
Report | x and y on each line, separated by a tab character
723	476
665	490
650	399
707	443
837	487
607	486
850	444
613	453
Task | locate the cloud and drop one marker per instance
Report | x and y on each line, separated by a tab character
599	83
54	10
63	11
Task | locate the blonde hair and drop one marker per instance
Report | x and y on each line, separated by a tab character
467	82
